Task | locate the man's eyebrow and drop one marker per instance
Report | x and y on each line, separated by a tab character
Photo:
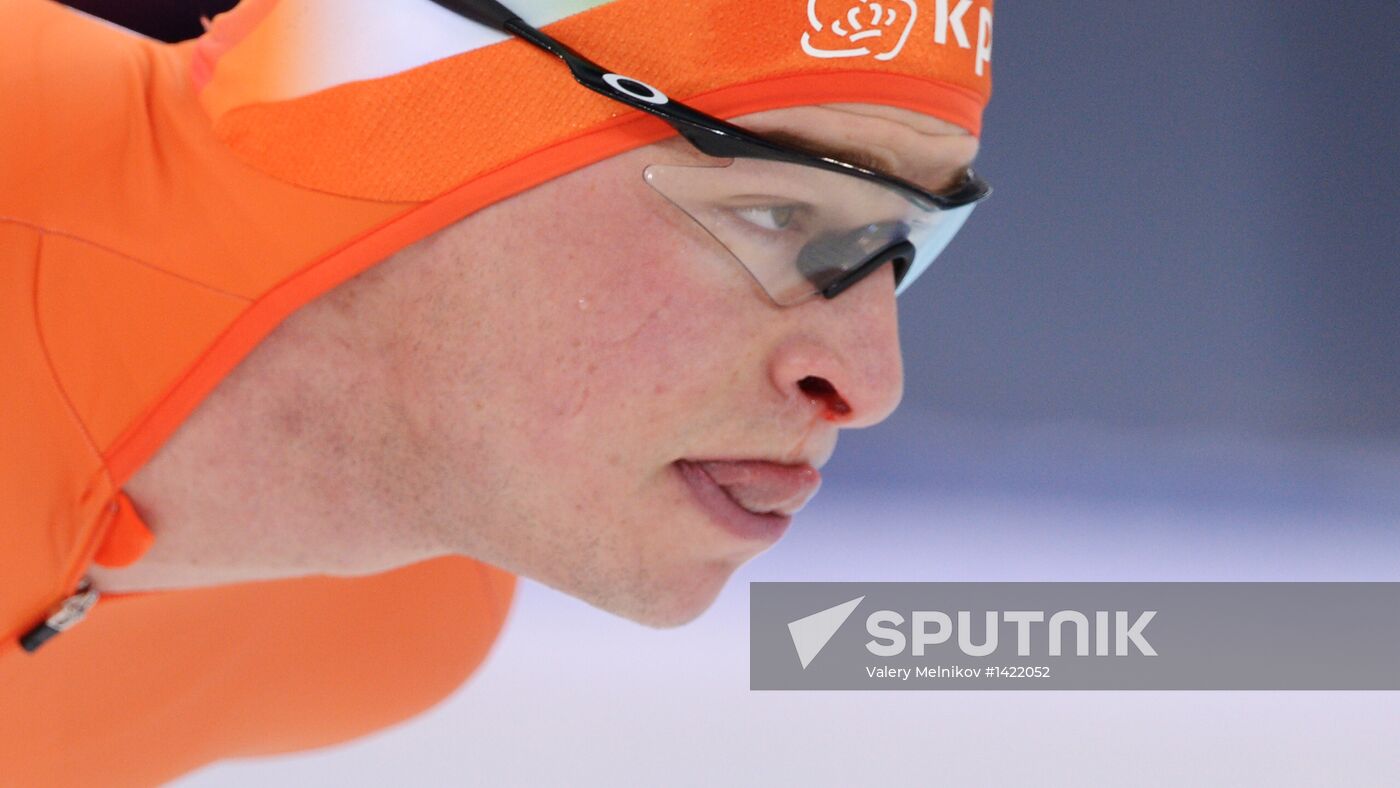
861	157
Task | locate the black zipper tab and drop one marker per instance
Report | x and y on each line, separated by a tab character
69	612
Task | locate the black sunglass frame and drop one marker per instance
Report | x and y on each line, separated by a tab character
713	136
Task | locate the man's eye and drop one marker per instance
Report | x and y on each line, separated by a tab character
769	217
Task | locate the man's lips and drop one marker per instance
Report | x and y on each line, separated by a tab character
764	487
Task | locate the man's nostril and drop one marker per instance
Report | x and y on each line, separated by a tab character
820	389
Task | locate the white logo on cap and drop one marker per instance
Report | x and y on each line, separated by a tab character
868	21
948	19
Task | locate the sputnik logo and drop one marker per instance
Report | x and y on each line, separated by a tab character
859	28
810	634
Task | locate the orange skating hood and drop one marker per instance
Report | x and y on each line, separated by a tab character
164	207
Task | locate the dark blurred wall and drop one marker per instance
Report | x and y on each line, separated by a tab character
1196	223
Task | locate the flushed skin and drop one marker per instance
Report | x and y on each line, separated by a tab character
518	387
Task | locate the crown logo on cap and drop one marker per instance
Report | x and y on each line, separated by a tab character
857	28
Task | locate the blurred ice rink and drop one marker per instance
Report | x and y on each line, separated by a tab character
573	696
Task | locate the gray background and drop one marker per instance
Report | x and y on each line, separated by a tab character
1197	223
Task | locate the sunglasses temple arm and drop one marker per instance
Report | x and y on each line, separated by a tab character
498	17
711	135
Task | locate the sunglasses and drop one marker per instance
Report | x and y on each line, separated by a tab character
801	224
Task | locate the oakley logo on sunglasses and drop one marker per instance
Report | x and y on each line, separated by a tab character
856	28
636	88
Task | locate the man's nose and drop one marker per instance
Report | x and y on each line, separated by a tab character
841	356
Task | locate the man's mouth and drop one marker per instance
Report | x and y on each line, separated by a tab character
752	499
760	486
765	487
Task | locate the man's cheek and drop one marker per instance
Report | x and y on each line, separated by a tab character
630	386
665	301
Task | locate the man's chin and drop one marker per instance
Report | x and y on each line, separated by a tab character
668	619
666	602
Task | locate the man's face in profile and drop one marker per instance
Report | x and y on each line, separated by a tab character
564	365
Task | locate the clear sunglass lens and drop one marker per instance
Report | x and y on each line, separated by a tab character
800	230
